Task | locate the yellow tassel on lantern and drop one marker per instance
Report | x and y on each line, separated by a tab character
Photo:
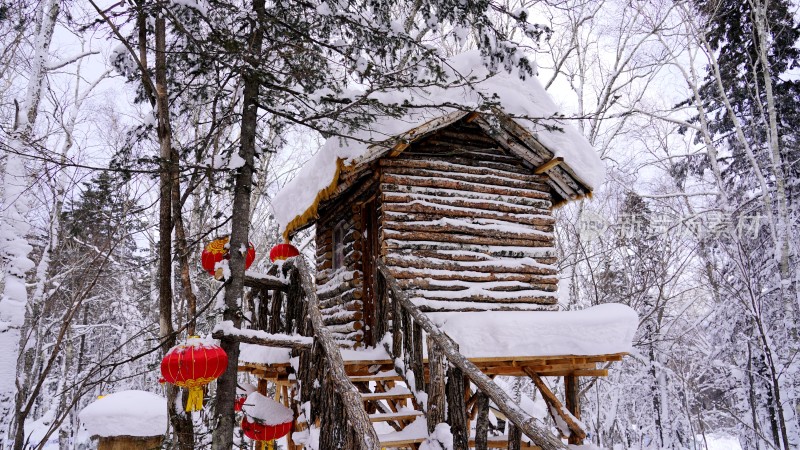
195	400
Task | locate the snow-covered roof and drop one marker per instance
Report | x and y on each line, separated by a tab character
126	413
524	100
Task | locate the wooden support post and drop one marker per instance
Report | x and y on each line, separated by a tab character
514	437
555	406
456	408
418	364
397	326
437	364
482	423
572	394
275	312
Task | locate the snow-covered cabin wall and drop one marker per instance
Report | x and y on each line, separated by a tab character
467	226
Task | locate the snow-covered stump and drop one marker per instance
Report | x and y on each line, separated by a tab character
127	420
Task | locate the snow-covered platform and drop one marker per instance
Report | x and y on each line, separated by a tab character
501	342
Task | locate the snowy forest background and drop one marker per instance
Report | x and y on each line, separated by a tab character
693	106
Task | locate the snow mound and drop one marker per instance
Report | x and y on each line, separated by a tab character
599	330
524	99
126	413
266	410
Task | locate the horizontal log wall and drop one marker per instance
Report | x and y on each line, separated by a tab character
340	290
467	226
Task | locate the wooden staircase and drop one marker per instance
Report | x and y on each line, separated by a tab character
399	421
389	402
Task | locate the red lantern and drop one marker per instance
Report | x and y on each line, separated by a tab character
193	365
217	251
282	252
265	419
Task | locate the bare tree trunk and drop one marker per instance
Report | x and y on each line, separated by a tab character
181	422
222	438
15	227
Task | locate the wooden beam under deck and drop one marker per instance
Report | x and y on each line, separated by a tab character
521	366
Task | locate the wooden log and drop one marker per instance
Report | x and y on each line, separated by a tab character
428	261
555	405
365	437
515	437
464	227
342	319
471	169
401	202
416	192
464	238
417	363
264	283
548	165
455	285
505	404
572	400
476	223
479	277
482	421
493	179
538	300
456	408
282	341
437	364
416	212
440	183
543	255
445	155
275	313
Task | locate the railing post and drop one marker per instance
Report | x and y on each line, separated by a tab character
514	437
437	366
457	408
482	421
397	328
417	359
275	313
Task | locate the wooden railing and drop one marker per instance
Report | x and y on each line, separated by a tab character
334	400
446	399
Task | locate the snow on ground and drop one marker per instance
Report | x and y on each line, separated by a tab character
517	97
598	330
720	442
126	413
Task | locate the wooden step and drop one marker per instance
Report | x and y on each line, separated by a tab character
390	443
382	376
415	433
502	442
396	393
402	415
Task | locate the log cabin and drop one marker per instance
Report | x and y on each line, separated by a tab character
435	273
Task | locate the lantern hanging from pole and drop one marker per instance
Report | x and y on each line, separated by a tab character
282	252
265	419
216	254
193	365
